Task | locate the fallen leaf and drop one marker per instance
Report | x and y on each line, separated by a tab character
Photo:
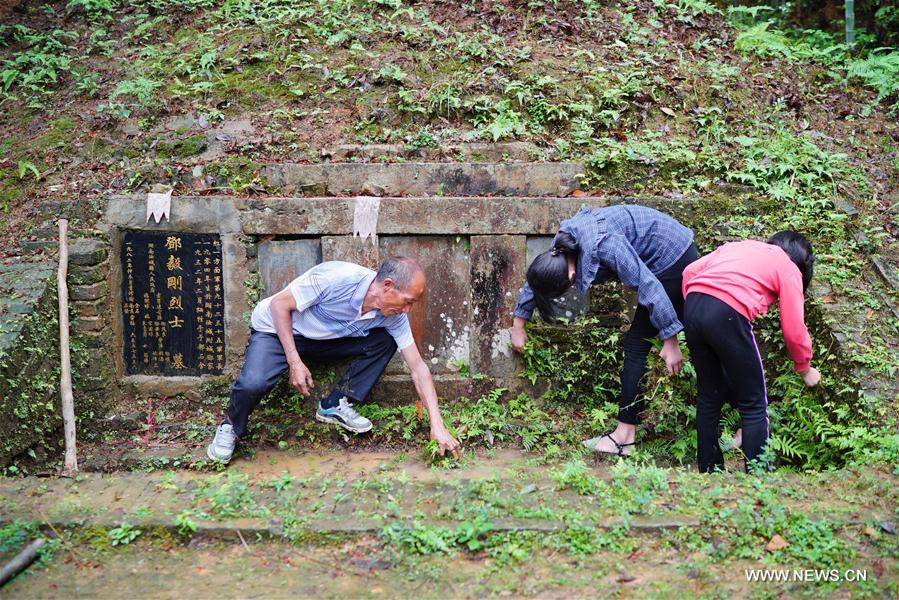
869	531
625	578
578	194
776	543
668	111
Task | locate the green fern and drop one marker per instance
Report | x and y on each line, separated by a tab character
879	71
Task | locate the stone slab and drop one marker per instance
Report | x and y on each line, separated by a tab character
296	216
189	214
88	325
886	272
476	152
425	179
351	249
497	272
334	216
152	501
440	320
94	291
88	274
93	308
281	261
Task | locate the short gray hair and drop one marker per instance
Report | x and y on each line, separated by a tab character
400	269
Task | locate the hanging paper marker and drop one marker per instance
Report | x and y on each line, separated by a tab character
365	218
159	205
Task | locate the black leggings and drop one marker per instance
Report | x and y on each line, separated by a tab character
637	344
723	350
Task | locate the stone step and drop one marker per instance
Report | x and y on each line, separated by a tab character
426	178
471	152
283	494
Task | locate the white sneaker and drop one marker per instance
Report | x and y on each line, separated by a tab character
344	415
222	447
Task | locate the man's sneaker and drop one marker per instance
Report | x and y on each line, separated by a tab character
222	446
344	415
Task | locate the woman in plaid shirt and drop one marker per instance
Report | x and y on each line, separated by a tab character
648	251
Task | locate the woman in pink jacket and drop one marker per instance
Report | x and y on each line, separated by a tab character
723	293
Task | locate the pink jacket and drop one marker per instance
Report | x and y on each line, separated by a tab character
749	276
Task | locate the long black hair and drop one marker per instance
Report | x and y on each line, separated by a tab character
799	249
548	273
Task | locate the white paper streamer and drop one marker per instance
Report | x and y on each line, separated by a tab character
365	218
159	206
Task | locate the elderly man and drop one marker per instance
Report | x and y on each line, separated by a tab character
334	310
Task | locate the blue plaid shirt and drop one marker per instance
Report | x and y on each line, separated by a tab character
635	243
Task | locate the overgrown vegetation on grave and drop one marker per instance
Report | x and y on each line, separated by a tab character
820	428
682	94
29	391
656	96
659	96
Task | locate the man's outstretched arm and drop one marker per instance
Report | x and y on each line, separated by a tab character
283	304
424	385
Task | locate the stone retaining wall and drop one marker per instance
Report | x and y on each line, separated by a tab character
29	347
474	251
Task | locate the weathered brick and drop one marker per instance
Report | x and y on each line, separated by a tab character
88	325
88	274
94	308
87	251
94	291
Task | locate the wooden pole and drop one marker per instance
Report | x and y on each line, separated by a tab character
65	372
21	560
850	22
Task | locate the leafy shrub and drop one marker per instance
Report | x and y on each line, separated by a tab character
38	64
92	8
880	70
228	496
471	534
124	534
824	427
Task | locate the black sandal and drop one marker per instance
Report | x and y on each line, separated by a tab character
619	447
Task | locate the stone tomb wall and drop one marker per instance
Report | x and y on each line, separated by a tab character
474	252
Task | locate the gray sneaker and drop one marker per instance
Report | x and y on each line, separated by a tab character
222	446
344	415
